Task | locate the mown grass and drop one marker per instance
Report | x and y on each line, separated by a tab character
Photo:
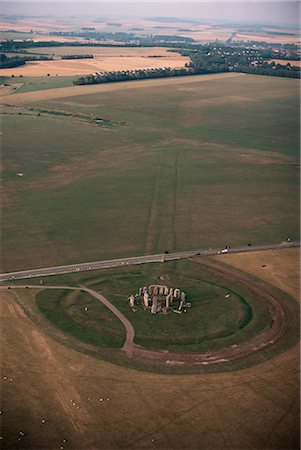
199	164
81	316
31	84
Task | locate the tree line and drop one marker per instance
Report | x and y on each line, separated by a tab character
128	75
7	62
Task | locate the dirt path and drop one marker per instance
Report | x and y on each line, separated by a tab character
267	337
130	332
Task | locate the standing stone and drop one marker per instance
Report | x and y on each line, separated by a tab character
154	305
167	302
181	305
162	289
165	290
132	301
183	296
145	299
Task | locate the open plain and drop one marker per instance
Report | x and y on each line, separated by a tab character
115	179
128	174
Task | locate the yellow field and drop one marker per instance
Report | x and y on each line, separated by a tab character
268	38
122	59
284	62
58	397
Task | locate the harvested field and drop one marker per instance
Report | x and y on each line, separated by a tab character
56	397
97	64
284	62
273	38
108	52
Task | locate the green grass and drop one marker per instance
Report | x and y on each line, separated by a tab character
96	325
191	165
213	322
31	84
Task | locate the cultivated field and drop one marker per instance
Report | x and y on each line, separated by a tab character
53	396
292	38
122	169
105	59
284	62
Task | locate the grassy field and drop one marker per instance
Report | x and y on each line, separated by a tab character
213	322
223	313
54	396
33	84
199	162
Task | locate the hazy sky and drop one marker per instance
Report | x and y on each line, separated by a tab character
285	12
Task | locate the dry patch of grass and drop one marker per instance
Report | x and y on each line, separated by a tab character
278	267
53	396
74	91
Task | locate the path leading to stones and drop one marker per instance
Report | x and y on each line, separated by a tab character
130	332
273	331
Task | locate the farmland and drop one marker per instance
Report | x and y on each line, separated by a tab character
105	59
119	187
255	407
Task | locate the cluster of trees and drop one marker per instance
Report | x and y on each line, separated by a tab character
272	69
125	75
16	46
125	37
21	46
224	58
77	56
7	63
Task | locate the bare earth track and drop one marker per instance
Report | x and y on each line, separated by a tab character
272	332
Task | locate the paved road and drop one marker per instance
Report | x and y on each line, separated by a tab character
273	331
106	264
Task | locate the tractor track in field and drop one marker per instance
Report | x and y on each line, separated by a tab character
272	332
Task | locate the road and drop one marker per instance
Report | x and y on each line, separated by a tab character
272	332
106	264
